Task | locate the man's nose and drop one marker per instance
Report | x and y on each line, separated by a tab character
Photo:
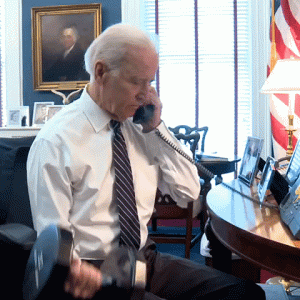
143	92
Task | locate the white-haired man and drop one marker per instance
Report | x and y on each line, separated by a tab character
71	173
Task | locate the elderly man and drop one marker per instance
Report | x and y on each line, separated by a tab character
75	181
69	65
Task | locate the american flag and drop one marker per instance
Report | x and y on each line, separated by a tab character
285	43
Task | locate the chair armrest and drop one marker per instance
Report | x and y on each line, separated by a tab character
17	234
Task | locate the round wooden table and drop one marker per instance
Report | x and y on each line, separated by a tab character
254	232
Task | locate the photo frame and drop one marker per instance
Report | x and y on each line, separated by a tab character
52	110
293	169
250	159
40	113
55	64
14	117
266	178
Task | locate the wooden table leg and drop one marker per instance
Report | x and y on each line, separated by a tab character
221	256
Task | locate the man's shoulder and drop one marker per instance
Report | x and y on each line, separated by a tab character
62	124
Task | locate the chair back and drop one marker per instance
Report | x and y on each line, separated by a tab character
192	139
184	129
14	199
19	210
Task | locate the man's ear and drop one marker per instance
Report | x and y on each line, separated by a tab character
100	70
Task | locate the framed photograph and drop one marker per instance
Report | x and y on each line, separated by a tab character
250	159
14	117
266	178
293	169
40	113
52	110
60	36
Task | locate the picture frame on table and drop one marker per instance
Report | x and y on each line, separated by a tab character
14	117
58	63
40	110
293	169
52	110
266	178
250	160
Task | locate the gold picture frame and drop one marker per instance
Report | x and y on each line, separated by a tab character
48	23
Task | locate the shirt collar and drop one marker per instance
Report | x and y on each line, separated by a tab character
98	117
69	50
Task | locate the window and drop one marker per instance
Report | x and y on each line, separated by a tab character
2	62
11	56
200	62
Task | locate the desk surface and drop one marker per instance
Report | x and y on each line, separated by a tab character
255	233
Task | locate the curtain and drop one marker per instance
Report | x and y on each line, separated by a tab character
205	67
1	62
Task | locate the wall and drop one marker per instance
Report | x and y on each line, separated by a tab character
111	14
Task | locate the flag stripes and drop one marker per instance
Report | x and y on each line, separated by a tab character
287	40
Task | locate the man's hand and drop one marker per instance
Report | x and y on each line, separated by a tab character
152	98
84	280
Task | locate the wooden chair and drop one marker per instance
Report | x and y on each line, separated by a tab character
167	209
184	129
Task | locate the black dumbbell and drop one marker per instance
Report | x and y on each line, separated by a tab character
124	273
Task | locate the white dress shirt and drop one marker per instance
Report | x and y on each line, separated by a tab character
70	176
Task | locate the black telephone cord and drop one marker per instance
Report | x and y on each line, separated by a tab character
202	169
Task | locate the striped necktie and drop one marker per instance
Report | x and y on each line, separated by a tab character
124	190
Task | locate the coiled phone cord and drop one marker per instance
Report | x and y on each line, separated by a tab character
202	169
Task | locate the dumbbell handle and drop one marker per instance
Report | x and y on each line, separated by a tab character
138	284
108	282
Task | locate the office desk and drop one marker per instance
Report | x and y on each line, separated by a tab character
255	233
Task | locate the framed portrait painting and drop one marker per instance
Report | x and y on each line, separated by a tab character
60	36
250	159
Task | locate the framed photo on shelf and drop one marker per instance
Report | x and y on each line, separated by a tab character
250	159
52	110
14	117
40	113
266	178
60	36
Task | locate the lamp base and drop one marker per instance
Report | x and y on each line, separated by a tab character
290	131
289	151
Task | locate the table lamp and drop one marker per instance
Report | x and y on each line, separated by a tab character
285	79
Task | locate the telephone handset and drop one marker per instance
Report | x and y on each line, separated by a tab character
204	170
143	114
